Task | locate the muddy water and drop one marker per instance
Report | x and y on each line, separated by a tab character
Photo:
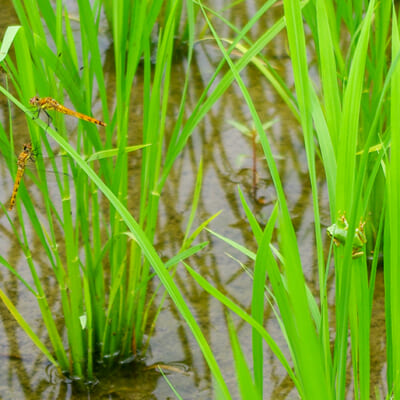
228	162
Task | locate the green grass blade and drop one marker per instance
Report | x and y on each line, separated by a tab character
247	388
8	40
257	303
17	275
195	202
328	74
235	245
246	317
392	234
254	224
346	195
350	118
170	385
25	326
99	155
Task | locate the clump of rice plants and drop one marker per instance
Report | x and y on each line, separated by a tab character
105	260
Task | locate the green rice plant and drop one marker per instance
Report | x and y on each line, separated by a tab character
104	294
347	120
391	236
245	381
104	291
298	322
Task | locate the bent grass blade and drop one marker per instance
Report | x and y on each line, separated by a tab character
25	155
100	155
47	103
27	328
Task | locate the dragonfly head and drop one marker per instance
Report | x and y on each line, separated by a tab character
34	101
28	147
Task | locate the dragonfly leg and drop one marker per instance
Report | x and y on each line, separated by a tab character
49	119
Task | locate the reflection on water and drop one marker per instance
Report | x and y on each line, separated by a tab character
228	162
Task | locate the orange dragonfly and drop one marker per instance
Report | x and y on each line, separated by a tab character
47	103
25	155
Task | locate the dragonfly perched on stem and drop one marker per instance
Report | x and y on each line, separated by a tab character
47	103
25	155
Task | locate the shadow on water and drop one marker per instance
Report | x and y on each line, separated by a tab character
227	156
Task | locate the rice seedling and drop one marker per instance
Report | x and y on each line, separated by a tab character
108	258
104	293
340	124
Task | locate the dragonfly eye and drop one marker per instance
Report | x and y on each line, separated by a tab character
33	101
